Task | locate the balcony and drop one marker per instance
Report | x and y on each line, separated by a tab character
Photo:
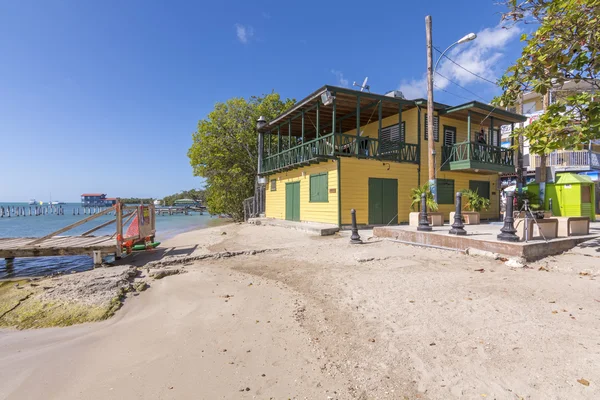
477	157
568	160
336	145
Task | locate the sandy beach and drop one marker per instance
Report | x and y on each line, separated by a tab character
269	313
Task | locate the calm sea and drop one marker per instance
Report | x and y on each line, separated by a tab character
36	226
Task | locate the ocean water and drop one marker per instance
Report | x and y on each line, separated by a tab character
33	226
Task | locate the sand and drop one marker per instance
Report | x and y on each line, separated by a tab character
321	318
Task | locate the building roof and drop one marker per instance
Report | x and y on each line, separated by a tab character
345	103
569	178
348	101
110	198
480	112
93	194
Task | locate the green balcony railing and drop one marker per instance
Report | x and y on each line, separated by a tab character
338	144
480	153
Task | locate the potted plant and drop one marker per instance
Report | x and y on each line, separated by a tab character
415	194
475	204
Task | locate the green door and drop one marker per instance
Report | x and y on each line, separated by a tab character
292	201
383	201
481	187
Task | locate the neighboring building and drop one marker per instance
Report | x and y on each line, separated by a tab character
93	200
110	201
187	203
584	160
340	149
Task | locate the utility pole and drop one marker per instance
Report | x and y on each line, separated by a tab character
543	157
430	138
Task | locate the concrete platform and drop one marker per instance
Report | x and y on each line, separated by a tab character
484	237
309	227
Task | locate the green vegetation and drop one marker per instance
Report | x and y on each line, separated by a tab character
415	195
22	307
194	194
136	200
225	151
474	201
563	48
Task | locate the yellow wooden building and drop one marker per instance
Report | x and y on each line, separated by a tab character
340	149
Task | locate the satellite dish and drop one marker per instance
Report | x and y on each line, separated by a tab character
364	85
327	98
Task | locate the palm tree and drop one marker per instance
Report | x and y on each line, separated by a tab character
415	195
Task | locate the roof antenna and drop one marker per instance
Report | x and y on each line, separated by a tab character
364	85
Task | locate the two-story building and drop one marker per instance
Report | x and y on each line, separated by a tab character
583	160
340	149
93	200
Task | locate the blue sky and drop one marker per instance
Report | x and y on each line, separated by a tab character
103	96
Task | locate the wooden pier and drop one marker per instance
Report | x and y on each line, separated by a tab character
174	210
96	246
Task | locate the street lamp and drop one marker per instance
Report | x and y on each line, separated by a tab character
464	39
430	108
260	123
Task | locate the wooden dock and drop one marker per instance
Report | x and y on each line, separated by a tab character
57	246
141	230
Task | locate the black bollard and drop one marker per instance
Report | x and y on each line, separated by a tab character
355	238
550	205
458	228
423	221
508	230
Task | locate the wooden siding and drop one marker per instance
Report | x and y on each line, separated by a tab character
461	181
326	212
409	117
354	181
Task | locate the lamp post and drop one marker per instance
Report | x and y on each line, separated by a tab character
260	180
430	72
260	123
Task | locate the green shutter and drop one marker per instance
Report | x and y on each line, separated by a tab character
445	191
481	187
319	188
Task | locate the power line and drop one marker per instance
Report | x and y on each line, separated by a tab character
486	117
462	87
471	72
453	94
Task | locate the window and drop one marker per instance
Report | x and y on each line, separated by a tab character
529	107
449	135
481	187
436	127
493	137
273	185
392	134
445	191
586	196
318	188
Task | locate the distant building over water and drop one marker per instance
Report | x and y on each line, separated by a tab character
97	200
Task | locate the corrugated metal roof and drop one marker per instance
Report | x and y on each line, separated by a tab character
93	194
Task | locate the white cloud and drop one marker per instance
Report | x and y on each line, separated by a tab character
414	88
244	32
340	78
481	56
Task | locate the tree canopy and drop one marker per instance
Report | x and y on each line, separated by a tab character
225	150
563	48
194	194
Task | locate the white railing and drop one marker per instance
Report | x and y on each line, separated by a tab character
564	158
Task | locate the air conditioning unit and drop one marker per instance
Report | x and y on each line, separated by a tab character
327	98
395	93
